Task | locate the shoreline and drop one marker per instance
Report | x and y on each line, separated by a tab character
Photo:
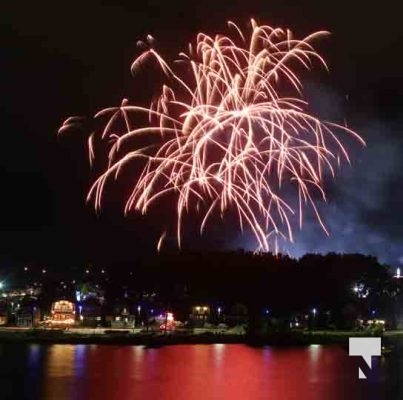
292	338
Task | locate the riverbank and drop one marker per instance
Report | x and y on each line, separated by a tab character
127	337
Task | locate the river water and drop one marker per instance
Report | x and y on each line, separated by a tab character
192	372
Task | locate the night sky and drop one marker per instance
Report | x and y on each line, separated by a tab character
73	58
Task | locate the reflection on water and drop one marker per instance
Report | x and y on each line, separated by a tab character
64	365
191	372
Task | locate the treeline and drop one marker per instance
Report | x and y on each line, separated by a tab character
345	286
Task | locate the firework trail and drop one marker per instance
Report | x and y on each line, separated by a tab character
225	136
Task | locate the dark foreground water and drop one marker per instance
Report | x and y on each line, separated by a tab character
192	372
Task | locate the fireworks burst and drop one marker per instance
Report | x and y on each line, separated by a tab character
225	136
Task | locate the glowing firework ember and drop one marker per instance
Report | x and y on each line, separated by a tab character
225	137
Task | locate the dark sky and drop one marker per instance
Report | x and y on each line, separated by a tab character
72	58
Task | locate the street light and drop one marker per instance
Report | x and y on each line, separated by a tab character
1	285
360	290
314	312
